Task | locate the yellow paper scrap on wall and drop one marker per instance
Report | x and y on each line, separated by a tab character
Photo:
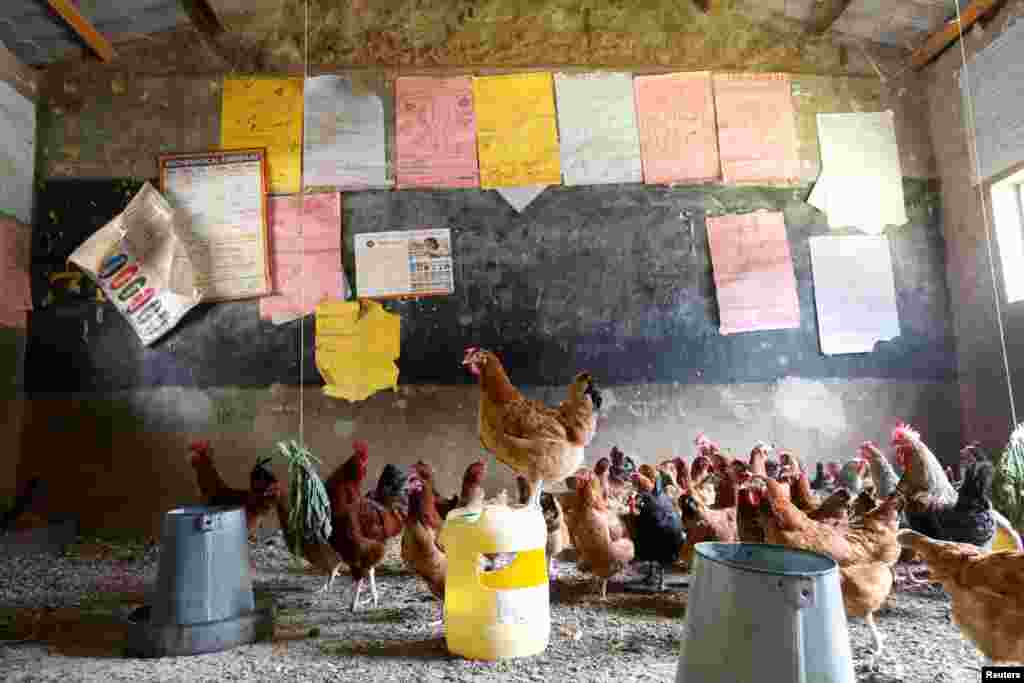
266	112
517	130
356	348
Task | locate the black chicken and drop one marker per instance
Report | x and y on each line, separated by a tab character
623	467
391	490
658	531
970	520
819	482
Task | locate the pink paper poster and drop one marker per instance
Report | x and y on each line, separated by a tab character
676	116
754	278
757	136
16	292
305	271
436	130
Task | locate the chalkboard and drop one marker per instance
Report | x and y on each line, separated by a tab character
608	278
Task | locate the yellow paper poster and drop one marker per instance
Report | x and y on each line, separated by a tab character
357	344
266	112
517	130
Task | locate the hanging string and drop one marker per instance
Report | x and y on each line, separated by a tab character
302	241
972	137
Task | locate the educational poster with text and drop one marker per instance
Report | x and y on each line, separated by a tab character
517	130
436	130
223	197
599	140
266	113
757	137
676	116
753	269
404	263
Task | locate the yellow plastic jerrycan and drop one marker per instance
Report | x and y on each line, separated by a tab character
503	613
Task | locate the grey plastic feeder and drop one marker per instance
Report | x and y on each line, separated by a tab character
764	612
203	601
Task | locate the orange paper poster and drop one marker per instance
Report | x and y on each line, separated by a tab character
436	133
757	137
16	297
676	116
754	277
306	265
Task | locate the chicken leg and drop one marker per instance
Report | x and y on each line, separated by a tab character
326	588
869	619
536	488
357	589
373	587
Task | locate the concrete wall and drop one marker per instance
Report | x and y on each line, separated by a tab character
12	341
118	461
984	397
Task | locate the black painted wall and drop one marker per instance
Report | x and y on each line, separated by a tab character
608	277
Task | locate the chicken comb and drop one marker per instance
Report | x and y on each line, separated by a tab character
904	433
200	446
361	447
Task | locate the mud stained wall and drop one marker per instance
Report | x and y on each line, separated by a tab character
114	451
984	397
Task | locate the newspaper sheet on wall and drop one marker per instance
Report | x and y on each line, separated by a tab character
753	270
17	154
223	196
305	255
141	263
345	136
16	294
861	182
757	137
599	140
404	263
517	130
266	113
676	116
357	344
436	131
854	292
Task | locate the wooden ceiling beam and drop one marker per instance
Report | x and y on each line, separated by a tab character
84	28
826	12
949	33
203	17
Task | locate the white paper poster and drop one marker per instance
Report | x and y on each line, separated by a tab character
861	182
345	138
404	263
993	82
600	142
17	153
854	292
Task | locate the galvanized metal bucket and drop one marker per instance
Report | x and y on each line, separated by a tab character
764	613
204	566
203	599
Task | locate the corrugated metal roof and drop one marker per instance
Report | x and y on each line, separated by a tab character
32	31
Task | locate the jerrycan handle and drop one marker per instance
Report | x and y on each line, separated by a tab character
798	593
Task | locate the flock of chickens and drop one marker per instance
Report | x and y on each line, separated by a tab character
862	514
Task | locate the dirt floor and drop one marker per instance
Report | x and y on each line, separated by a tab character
61	620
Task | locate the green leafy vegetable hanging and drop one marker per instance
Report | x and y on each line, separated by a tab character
310	516
1008	483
